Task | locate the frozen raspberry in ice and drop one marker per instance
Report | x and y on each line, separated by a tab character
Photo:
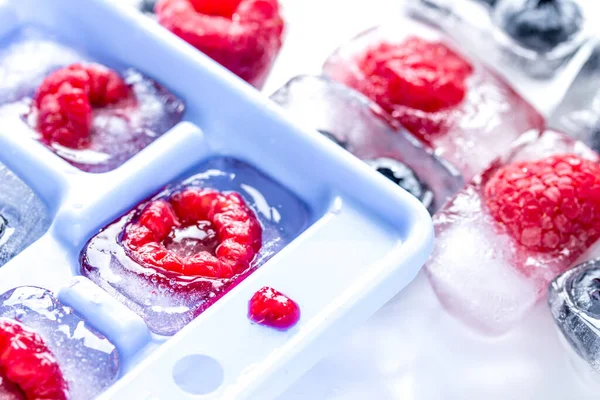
514	228
452	103
71	353
92	116
65	99
26	361
272	308
362	127
216	234
173	256
548	205
242	35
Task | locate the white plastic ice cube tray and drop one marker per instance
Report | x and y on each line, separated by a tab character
366	241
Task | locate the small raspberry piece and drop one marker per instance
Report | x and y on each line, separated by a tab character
550	205
238	231
272	308
26	361
244	35
414	81
65	99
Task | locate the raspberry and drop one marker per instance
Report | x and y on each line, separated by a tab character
65	99
26	361
272	308
414	81
238	231
551	205
244	35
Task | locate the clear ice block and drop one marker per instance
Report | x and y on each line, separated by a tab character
118	132
470	134
361	127
168	301
579	112
23	216
88	361
476	266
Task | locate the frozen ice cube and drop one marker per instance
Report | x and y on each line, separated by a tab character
574	299
87	359
361	127
480	273
579	112
24	216
118	131
167	301
470	132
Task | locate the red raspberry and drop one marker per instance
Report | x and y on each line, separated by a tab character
272	308
414	81
244	35
238	230
65	99
26	361
551	205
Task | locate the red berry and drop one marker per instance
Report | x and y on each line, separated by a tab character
550	205
414	81
26	361
238	230
65	99
244	35
272	308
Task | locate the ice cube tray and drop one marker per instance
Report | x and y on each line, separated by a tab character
365	240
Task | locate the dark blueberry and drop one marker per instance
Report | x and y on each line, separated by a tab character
333	138
404	177
541	25
585	291
147	6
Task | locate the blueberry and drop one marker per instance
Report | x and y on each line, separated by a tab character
333	138
404	177
541	25
147	6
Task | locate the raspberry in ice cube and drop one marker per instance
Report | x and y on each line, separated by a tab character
93	116
97	119
176	254
515	227
361	127
73	360
242	35
447	100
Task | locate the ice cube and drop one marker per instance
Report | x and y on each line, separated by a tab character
88	361
24	216
118	132
574	299
469	124
479	271
167	301
360	126
579	112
